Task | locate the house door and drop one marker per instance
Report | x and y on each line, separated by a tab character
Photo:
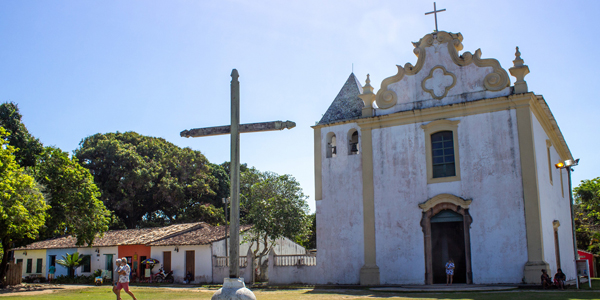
108	258
167	261
190	263
448	242
142	267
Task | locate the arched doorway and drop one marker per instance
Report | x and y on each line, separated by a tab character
445	223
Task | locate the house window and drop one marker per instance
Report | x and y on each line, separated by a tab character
29	265
331	145
353	142
38	266
86	263
442	155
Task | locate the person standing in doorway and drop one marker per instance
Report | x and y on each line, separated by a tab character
449	271
51	272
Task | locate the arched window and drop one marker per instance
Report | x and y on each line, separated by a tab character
442	154
331	145
353	142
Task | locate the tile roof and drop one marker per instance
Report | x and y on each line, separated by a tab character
202	235
118	237
346	105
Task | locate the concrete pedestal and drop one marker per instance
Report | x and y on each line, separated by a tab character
234	289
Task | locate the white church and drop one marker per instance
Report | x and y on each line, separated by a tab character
446	160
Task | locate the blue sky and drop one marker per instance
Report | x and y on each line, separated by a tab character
77	68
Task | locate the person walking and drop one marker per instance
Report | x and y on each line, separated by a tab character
449	271
124	271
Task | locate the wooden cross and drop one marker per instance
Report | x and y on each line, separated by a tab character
434	12
234	166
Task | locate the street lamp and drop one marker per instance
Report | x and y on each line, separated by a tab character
225	202
568	165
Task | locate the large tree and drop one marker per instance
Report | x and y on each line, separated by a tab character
147	180
73	196
277	208
22	205
587	214
27	148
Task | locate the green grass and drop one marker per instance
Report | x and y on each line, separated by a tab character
142	293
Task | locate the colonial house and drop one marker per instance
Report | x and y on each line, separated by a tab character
198	248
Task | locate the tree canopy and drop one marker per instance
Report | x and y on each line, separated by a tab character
22	209
147	180
27	148
73	197
587	215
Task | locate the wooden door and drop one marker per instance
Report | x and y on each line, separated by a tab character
167	261
190	263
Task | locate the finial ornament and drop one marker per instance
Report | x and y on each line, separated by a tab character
519	71
368	97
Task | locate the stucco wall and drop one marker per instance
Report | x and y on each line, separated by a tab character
282	246
553	205
339	213
33	255
490	176
60	270
202	259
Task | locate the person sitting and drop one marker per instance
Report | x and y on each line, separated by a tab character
188	278
546	280
559	279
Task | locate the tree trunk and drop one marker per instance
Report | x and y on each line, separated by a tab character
4	262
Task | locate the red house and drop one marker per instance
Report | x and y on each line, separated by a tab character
591	260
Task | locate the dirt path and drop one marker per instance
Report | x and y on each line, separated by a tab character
37	289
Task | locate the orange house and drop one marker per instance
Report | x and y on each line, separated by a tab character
135	254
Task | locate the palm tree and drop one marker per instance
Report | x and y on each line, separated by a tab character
71	262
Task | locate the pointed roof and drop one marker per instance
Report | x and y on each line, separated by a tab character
347	104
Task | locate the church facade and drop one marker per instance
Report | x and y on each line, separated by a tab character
447	160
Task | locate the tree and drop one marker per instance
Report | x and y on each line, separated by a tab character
26	146
146	180
73	197
277	208
311	240
587	215
22	205
71	262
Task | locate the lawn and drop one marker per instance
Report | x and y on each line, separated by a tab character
142	293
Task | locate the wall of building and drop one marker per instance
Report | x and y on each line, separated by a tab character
98	259
490	176
60	270
34	255
554	206
339	212
135	252
282	246
202	259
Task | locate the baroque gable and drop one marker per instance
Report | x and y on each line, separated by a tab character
441	76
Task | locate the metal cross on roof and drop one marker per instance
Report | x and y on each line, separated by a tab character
434	12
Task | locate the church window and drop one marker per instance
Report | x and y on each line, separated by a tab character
331	145
548	146
556	224
353	142
562	187
442	153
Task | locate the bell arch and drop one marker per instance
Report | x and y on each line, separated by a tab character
430	209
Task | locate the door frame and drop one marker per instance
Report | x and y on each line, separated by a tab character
431	208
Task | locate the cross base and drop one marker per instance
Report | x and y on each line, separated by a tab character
233	289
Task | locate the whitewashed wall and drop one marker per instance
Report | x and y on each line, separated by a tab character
340	241
98	260
553	205
33	255
203	268
490	176
282	246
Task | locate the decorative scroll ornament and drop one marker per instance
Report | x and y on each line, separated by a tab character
439	82
495	81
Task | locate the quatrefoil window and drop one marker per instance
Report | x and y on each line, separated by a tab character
439	82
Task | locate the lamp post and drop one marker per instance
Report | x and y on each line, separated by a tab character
568	165
225	202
